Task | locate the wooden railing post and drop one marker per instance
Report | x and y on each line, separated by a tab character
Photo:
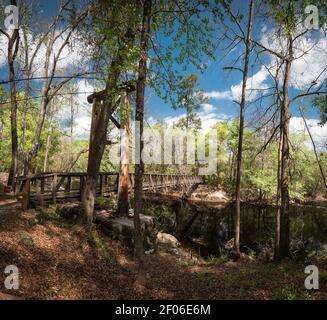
26	195
17	187
42	185
40	191
68	184
81	187
54	189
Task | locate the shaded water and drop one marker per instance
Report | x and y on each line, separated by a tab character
211	228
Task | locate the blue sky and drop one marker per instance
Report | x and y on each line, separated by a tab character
217	82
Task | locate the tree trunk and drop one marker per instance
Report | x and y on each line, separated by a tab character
48	145
123	207
101	113
237	220
284	250
25	105
278	199
49	88
13	43
139	116
98	134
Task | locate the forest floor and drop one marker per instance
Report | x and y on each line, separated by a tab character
60	261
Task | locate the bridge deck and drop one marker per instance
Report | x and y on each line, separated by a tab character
48	188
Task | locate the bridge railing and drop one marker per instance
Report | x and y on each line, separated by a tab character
52	187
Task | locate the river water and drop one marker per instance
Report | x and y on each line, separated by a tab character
211	228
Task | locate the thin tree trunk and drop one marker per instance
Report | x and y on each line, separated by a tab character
123	207
139	117
25	105
284	250
13	44
278	199
48	144
315	150
237	220
49	89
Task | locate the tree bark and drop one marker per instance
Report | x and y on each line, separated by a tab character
101	113
99	124
283	249
13	44
48	144
278	198
123	207
139	117
26	95
237	220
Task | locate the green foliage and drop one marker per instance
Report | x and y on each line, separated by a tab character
321	104
106	203
190	29
164	214
260	169
217	260
31	116
290	293
95	240
52	215
189	98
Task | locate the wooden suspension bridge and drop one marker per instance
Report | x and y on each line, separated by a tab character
46	188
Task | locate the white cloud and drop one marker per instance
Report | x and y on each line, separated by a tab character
207	119
3	51
319	133
82	126
72	55
310	52
219	95
255	84
207	107
82	121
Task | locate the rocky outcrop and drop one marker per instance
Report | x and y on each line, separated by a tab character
205	193
122	229
168	243
69	211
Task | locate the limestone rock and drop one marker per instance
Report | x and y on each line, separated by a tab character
168	243
69	211
122	228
